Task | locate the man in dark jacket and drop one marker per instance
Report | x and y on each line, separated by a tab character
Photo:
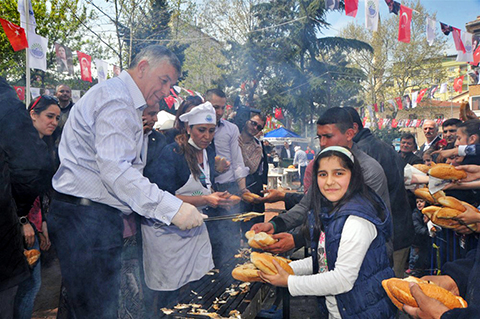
24	166
407	146
392	165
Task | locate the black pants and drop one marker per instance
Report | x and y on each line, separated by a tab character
89	243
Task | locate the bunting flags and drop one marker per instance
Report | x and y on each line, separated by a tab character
404	25
371	14
433	89
399	103
15	34
393	104
351	8
444	88
332	4
375	106
37	50
278	114
420	95
20	92
457	38
64	59
446	29
414	99
466	56
85	66
458	83
102	70
393	6
430	28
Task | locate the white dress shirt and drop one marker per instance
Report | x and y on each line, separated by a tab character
103	152
357	235
226	145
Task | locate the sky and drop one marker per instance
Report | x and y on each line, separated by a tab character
453	12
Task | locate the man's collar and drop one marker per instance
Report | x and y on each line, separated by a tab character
137	95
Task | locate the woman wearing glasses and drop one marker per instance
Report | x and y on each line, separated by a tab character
45	113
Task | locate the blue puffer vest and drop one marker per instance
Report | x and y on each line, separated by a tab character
367	299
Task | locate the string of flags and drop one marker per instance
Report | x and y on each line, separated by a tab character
383	123
466	44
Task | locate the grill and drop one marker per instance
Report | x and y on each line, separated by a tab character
211	293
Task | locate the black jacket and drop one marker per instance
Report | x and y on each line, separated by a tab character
392	165
411	159
25	173
283	152
156	142
421	150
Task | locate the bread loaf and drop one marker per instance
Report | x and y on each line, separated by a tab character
259	240
264	262
422	167
246	272
399	292
32	256
451	202
249	197
424	194
447	171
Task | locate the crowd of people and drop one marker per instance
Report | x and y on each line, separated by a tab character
96	182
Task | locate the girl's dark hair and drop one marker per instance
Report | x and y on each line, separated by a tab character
41	103
189	103
356	186
470	127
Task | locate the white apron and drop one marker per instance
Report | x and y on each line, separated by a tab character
174	257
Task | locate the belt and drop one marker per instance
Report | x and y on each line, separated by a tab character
77	200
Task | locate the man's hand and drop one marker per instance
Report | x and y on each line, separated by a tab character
280	279
272	196
473	172
469	216
187	217
428	308
445	282
265	227
43	236
446	153
29	235
285	243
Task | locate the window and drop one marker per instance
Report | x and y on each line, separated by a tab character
475	103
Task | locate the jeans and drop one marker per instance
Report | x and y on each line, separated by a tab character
28	289
89	244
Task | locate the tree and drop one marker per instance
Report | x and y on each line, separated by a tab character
53	21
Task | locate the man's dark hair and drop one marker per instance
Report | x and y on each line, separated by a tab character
154	54
355	116
451	122
409	136
262	116
217	92
338	116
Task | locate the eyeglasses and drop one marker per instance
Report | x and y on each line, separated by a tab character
256	125
52	99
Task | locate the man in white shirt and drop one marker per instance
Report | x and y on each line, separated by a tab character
102	154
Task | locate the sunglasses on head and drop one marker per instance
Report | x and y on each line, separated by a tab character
49	98
256	125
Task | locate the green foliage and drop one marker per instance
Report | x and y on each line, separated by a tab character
387	134
60	21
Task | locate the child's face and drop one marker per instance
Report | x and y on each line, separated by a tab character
427	159
420	204
333	179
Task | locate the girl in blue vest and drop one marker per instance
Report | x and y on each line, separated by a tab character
348	227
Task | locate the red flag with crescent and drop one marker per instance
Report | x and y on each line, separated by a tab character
20	92
457	38
15	34
458	83
351	8
85	66
399	103
404	24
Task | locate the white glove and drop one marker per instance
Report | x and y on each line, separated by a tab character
187	217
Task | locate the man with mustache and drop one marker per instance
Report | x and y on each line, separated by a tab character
430	130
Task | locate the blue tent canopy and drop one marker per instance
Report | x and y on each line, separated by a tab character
281	132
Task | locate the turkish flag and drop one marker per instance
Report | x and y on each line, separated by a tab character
20	92
15	34
457	38
278	114
394	123
351	8
476	56
420	95
170	100
85	66
399	103
458	83
404	24
375	106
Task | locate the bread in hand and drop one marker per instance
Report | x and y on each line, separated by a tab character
264	262
246	272
446	171
259	240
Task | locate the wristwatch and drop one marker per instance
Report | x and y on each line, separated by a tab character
23	220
